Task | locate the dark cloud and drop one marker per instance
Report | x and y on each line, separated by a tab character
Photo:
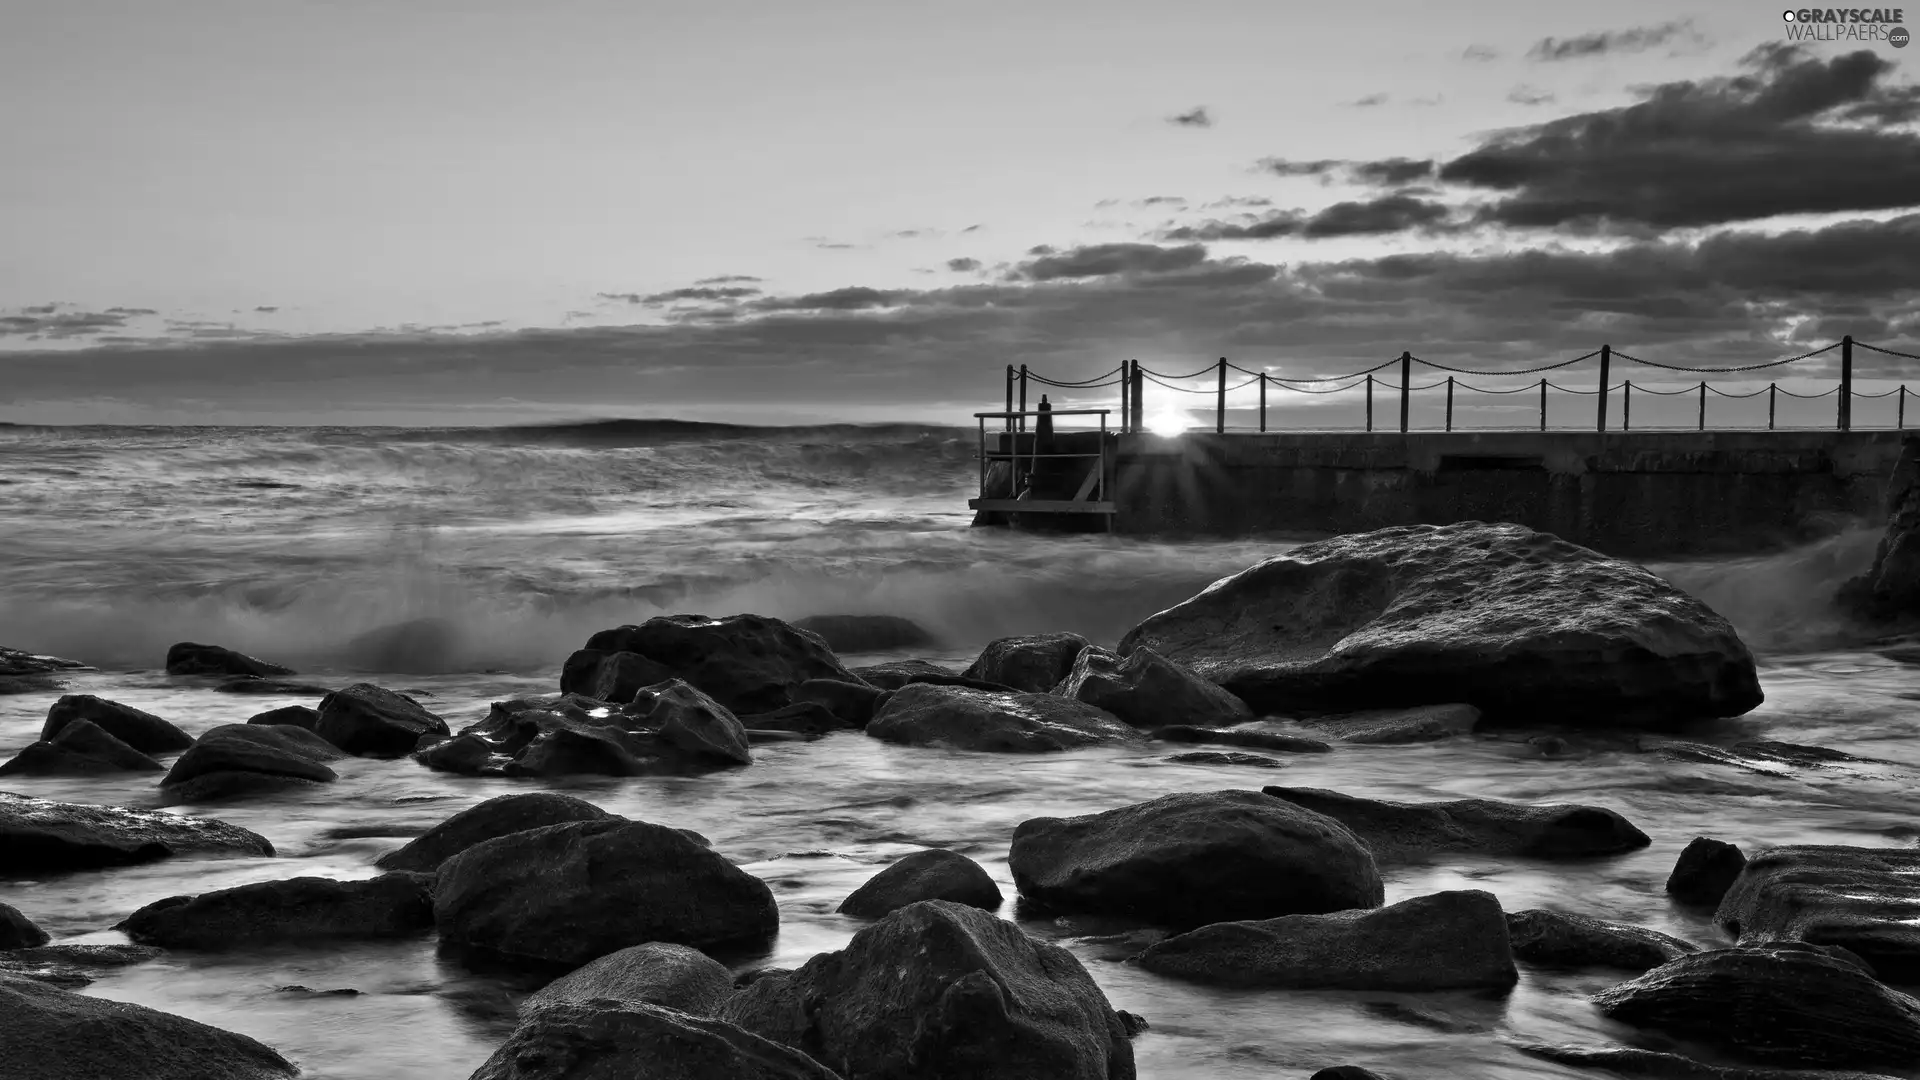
1196	117
973	228
1391	172
266	309
730	279
1286	167
1394	213
1369	101
1236	201
963	265
1599	43
1105	260
1529	95
1162	200
49	322
854	298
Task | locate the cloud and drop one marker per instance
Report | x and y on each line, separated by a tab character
50	322
963	265
1394	213
1231	201
1480	54
1197	117
266	309
1368	102
1600	43
1105	260
1161	200
829	245
1529	95
730	279
973	228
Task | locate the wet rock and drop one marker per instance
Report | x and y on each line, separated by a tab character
933	874
1890	589
141	730
1347	1072
1763	756
292	909
71	966
801	718
657	973
1705	871
942	991
866	633
1784	1002
41	836
1257	737
611	677
893	676
1445	941
573	892
188	658
1194	858
666	728
1425	723
1862	899
1634	1061
748	663
55	1034
245	757
300	716
1518	623
502	815
1400	832
641	1042
964	719
568	747
853	703
693	723
367	721
1147	690
82	748
1567	940
17	931
1215	757
466	754
1032	665
27	673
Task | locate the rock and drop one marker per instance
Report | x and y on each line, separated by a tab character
1705	871
1890	589
964	719
894	674
1567	940
426	646
1255	737
641	1042
942	991
17	931
853	703
1401	832
1425	723
467	754
27	673
568	747
693	723
41	836
801	717
284	751
81	748
1148	690
747	663
1518	623
1033	665
300	716
573	892
292	909
1215	757
55	1034
1445	941
611	677
367	721
71	966
933	874
1347	1072
1862	899
866	633
1787	1002
666	728
502	815
187	658
656	973
1194	858
143	731
1636	1062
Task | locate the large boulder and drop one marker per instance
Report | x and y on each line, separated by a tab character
656	973
42	836
1033	664
368	721
1518	623
82	748
614	676
668	728
234	758
1400	832
17	931
1704	872
920	714
292	909
54	1034
188	658
300	716
139	729
693	723
942	991
748	663
597	1041
1194	858
1862	899
1147	690
1890	589
1788	1002
501	815
573	892
933	874
1564	939
865	633
1446	941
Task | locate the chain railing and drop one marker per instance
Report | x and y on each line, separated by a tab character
1132	378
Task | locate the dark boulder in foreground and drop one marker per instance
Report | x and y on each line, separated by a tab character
188	658
934	874
1706	869
571	893
139	729
941	991
1518	623
964	719
1423	723
1194	858
501	815
1147	690
1786	1002
1398	832
1633	1061
1566	940
641	1042
246	758
1890	589
292	909
1032	665
866	633
657	973
300	716
1445	941
82	748
368	721
54	1034
17	931
27	673
1862	899
41	836
748	663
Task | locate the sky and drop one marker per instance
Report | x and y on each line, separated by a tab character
354	211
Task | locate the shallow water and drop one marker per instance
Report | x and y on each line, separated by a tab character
134	540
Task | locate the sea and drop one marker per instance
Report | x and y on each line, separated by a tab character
499	551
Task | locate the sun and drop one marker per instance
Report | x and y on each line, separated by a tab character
1167	424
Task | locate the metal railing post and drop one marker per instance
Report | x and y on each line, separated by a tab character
1263	402
1220	406
1369	403
1900	411
1773	398
1846	383
1543	403
1449	403
1126	384
1606	363
1009	418
1626	405
1139	386
1406	387
1703	404
1021	421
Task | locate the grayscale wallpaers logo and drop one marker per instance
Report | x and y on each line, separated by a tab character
1847	25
